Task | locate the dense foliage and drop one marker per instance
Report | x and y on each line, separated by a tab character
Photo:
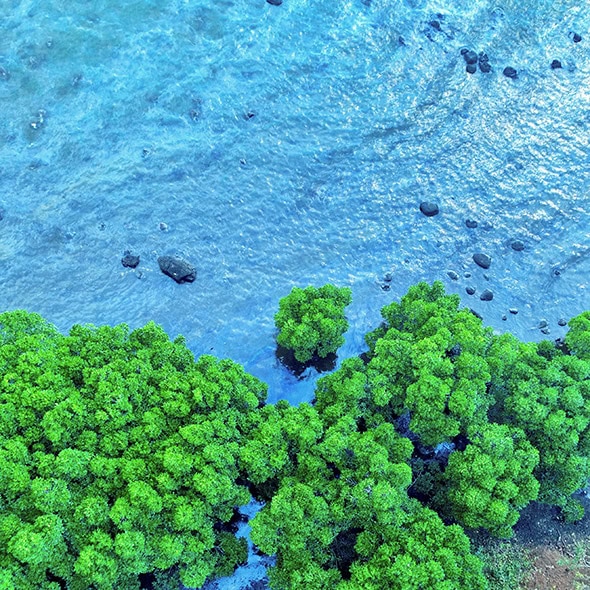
119	456
311	321
342	517
439	409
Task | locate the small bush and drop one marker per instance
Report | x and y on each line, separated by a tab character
311	321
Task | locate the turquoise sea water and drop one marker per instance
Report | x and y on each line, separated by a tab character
275	146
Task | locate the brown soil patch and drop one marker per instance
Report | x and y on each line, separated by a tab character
554	569
560	552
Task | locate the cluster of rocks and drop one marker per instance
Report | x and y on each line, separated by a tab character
175	267
472	60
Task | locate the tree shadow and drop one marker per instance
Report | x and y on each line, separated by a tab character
288	360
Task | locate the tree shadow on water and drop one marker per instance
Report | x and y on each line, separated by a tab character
321	365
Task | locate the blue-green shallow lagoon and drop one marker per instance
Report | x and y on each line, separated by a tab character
275	146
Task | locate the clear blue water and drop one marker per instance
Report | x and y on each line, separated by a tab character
291	145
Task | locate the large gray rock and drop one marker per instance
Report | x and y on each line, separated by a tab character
177	268
482	260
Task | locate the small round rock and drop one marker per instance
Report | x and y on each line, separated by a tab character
513	310
453	275
486	295
482	260
485	67
562	322
517	245
470	290
470	223
555	64
429	209
510	72
576	37
471	68
275	2
543	324
470	57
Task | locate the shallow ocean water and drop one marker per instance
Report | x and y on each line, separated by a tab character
275	146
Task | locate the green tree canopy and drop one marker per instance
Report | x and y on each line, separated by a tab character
311	321
119	455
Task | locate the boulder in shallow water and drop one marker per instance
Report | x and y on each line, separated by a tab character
177	268
517	245
510	72
482	260
429	209
129	260
470	56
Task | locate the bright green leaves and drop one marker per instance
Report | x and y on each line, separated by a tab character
127	443
348	522
429	359
97	568
491	480
311	321
548	396
131	548
280	433
143	496
72	464
50	495
578	337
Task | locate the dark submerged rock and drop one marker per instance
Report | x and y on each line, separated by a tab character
470	290
470	223
129	260
555	64
429	209
177	268
576	37
513	310
486	295
470	57
510	72
482	260
471	68
517	245
275	2
484	63
453	275
562	322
